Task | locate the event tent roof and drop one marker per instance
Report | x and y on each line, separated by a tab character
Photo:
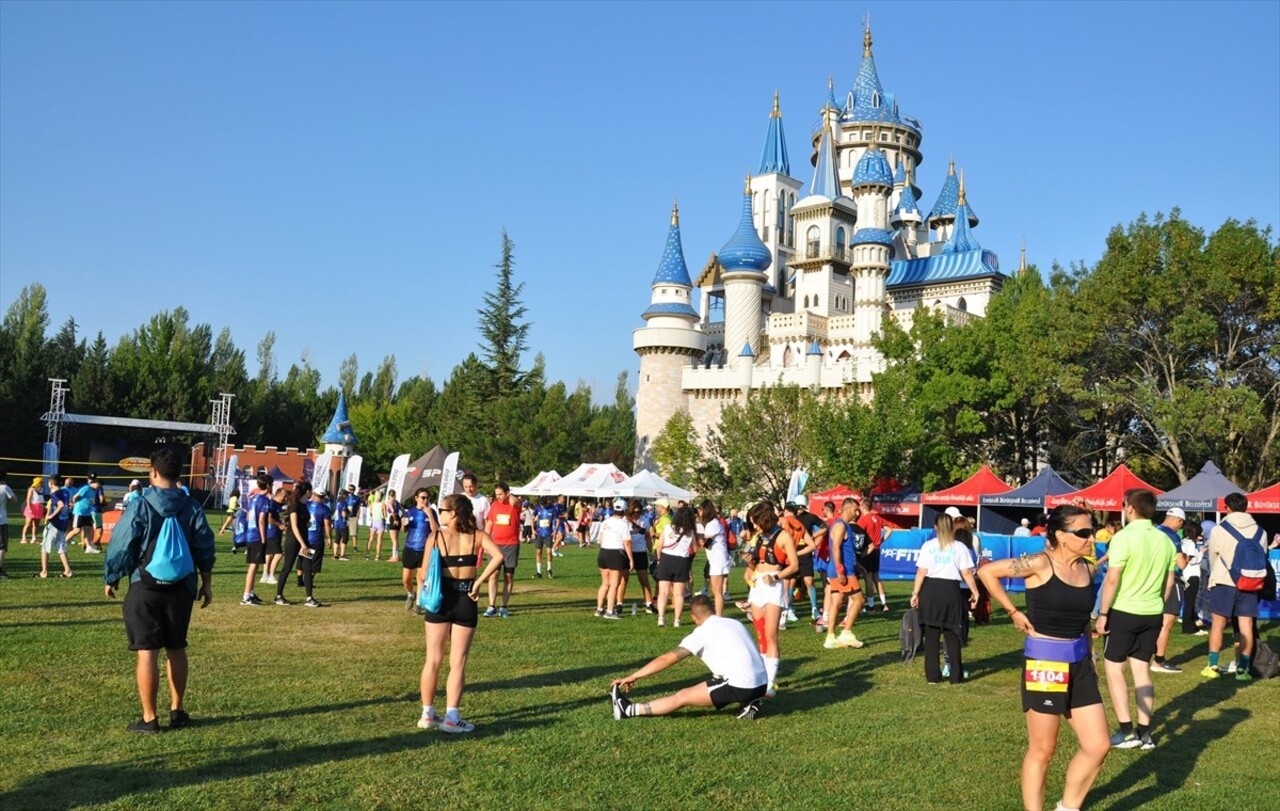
982	483
836	494
540	486
588	479
1266	500
425	471
1107	494
1200	492
646	484
1032	494
279	475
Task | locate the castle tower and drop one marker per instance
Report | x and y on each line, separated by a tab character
872	243
824	225
773	194
962	238
669	340
942	216
744	260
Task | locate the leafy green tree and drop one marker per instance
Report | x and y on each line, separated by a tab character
760	442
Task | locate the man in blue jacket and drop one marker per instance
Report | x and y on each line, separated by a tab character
158	617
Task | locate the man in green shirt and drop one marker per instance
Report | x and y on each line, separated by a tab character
1133	596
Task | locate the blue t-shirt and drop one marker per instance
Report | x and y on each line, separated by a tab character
320	513
273	519
239	527
259	505
85	501
735	525
543	518
416	528
340	514
62	520
1173	536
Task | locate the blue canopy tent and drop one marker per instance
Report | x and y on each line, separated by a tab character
1201	492
1001	514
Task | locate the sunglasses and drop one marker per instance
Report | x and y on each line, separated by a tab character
1085	532
445	510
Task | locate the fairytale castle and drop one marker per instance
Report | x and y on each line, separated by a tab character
797	293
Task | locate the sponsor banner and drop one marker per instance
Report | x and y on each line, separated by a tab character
399	469
351	474
320	474
448	478
233	465
899	552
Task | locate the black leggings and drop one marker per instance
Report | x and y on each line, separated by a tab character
1189	606
932	672
293	557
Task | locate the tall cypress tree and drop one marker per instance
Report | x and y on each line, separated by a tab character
503	328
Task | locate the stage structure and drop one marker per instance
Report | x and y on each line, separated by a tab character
219	425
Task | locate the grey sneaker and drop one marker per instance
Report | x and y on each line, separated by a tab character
749	710
1145	742
504	613
1164	667
1125	740
409	602
455	727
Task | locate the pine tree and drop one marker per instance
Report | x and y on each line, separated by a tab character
503	329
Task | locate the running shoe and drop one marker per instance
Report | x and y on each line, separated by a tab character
256	599
1211	672
1231	668
1164	667
280	600
344	557
537	575
1125	740
312	602
599	612
1201	632
1145	741
551	574
662	622
456	725
491	612
1244	675
848	640
178	719
611	615
652	608
749	710
830	643
619	702
145	727
409	602
428	722
248	600
504	613
791	615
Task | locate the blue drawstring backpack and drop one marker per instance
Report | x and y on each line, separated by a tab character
431	598
167	561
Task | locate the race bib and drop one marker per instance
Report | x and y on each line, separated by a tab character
545	522
503	520
1048	677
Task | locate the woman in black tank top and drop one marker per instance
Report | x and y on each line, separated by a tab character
1059	678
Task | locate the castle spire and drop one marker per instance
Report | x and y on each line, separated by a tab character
826	180
866	37
675	211
671	268
774	156
962	238
1022	262
961	200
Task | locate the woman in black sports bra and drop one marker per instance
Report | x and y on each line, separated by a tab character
462	546
1058	675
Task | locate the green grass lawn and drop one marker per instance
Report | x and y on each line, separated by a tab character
303	708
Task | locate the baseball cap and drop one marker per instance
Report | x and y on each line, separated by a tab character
662	502
619	503
135	483
1026	522
954	512
799	501
321	493
1176	512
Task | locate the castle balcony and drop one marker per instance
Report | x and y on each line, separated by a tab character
956	317
803	324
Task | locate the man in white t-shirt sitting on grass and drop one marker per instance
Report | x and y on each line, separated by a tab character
725	647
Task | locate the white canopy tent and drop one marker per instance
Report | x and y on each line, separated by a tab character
588	480
540	486
647	484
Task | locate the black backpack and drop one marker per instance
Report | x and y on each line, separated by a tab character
910	635
1265	664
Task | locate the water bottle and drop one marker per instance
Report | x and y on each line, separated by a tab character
633	609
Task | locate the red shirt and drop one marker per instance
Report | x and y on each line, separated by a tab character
874	525
505	518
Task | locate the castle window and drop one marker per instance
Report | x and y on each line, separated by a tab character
840	243
806	306
811	238
962	305
786	357
815	301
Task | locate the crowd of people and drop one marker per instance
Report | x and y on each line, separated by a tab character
1151	574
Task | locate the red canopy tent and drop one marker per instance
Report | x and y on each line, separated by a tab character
1107	495
982	483
836	494
1266	500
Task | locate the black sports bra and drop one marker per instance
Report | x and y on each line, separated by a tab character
460	561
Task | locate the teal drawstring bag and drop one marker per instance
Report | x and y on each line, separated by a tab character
431	597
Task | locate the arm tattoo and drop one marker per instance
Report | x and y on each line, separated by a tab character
681	653
1021	565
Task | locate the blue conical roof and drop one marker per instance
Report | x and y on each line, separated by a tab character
872	169
744	250
774	156
906	204
746	351
672	269
944	208
826	181
340	431
962	238
814	349
900	173
869	100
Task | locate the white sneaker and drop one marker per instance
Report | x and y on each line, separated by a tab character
848	640
1231	668
791	615
455	727
428	722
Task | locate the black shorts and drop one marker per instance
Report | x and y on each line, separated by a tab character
641	559
870	563
1131	636
673	569
255	553
84	521
723	693
613	559
543	541
155	619
805	562
458	607
4	537
343	534
411	558
1082	690
1173	603
273	546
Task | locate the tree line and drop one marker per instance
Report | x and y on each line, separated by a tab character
506	420
1163	355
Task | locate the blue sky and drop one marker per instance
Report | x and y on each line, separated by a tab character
341	174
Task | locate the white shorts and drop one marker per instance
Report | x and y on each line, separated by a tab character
762	595
55	541
719	561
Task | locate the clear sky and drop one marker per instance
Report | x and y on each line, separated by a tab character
341	173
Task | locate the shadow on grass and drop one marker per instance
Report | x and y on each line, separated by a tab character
102	783
61	623
1172	762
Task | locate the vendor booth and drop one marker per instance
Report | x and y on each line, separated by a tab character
1105	496
964	496
1003	512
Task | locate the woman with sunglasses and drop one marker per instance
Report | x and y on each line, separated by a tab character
772	561
462	545
1059	678
419	522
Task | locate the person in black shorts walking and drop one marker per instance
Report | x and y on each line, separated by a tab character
157	616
